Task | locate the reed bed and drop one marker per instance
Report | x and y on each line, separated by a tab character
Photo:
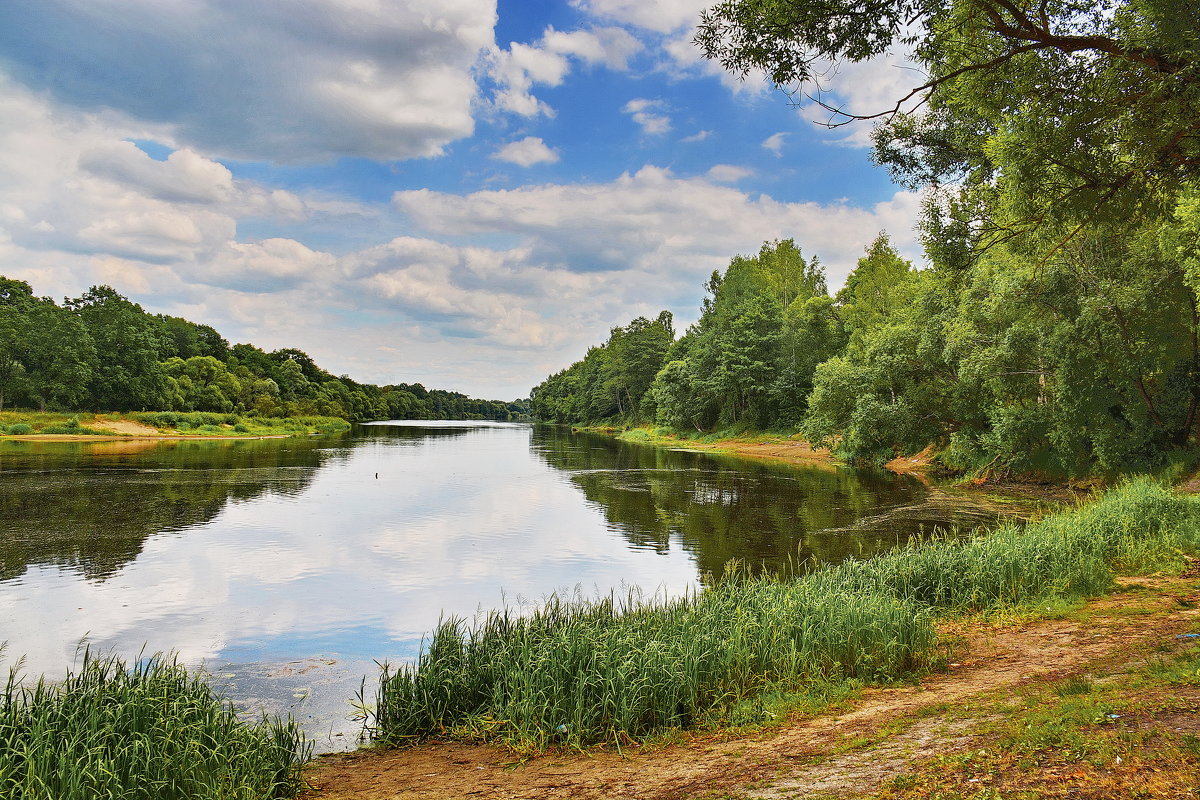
578	672
149	731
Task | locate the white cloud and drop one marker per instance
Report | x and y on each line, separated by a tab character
728	173
657	225
868	87
661	16
698	136
526	152
612	47
519	68
774	143
484	292
302	81
647	114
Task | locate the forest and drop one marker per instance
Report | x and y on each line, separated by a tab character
1052	325
103	352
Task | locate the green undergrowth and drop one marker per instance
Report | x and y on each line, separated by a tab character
170	423
658	435
148	731
201	423
578	673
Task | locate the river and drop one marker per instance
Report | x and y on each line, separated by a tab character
287	567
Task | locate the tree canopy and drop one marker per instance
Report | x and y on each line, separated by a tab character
1046	111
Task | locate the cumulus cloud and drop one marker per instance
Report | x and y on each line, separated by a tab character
658	225
661	16
698	136
612	47
526	152
648	115
73	182
548	61
302	81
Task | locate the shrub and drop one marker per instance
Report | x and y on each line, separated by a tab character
150	731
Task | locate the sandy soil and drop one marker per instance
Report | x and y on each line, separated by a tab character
847	754
125	427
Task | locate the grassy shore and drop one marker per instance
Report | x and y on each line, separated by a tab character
150	730
161	424
580	673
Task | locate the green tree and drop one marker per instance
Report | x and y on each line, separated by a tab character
1067	109
60	358
128	341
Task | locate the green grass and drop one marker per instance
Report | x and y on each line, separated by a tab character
204	423
149	731
190	423
579	673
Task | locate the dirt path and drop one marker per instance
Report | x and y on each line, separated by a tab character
851	753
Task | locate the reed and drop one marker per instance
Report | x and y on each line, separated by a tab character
149	731
578	672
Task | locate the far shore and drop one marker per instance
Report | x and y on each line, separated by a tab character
133	437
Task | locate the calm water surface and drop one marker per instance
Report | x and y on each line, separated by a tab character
288	566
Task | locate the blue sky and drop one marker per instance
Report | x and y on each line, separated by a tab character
462	193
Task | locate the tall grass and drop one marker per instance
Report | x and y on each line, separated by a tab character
579	672
149	731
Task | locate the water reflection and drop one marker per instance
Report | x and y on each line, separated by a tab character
89	507
287	566
763	514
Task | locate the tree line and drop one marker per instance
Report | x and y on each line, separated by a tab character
1086	361
1055	326
103	352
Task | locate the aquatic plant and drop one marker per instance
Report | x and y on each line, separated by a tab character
580	672
151	730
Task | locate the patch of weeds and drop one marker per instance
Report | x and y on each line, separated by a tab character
777	705
1074	685
1183	670
1060	608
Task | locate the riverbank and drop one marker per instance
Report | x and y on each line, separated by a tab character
1098	699
118	426
1041	675
1026	500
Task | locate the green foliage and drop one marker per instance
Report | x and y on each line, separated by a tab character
20	429
1065	109
612	380
149	730
581	672
1057	330
102	351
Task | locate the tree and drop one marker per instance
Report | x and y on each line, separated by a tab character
128	344
1066	110
60	358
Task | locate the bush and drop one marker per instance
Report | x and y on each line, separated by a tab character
20	429
150	731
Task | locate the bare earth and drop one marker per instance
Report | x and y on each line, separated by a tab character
853	753
123	426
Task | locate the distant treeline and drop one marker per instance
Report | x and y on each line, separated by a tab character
105	353
1083	361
